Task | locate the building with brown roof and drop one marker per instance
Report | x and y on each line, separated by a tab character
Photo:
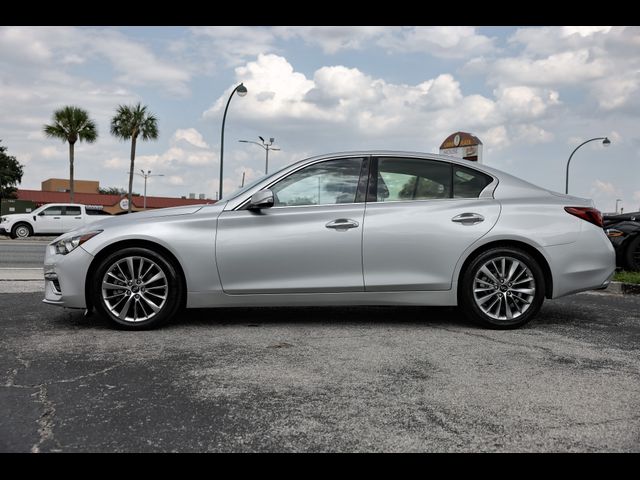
56	191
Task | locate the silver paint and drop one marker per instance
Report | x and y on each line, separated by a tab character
407	252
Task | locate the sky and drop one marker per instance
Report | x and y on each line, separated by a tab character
531	94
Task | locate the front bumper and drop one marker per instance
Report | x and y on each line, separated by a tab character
65	277
4	231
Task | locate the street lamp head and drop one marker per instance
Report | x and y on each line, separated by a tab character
272	140
262	139
606	142
241	90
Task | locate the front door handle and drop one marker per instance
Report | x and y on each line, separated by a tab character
468	218
78	218
342	223
56	218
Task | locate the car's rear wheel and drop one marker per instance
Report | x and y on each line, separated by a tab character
633	254
21	230
137	288
502	288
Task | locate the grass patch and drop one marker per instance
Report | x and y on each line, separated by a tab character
627	277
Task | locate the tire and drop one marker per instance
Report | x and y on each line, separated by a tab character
21	230
150	303
498	305
632	254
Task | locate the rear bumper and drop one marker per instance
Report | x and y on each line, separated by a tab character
587	264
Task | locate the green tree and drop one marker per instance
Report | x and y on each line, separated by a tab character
131	122
71	124
10	174
115	191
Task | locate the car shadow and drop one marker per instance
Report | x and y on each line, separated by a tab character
258	316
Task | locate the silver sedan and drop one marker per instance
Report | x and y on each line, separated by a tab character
356	228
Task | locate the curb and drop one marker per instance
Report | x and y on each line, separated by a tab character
21	274
32	238
622	288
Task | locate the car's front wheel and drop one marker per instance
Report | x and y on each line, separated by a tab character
21	230
502	288
137	288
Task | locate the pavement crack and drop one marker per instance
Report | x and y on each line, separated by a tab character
82	377
601	422
14	372
46	420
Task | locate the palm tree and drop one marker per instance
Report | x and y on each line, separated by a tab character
129	123
71	124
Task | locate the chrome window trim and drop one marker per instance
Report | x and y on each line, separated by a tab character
488	192
429	200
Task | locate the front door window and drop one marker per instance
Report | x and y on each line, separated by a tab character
325	183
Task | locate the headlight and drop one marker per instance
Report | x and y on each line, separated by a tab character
69	244
3	219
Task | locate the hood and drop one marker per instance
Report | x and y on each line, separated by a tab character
12	216
137	216
130	218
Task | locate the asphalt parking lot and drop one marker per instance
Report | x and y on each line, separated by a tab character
322	379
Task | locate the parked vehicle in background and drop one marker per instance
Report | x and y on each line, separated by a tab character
624	232
355	228
50	219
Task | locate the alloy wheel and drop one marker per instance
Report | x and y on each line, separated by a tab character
504	288
134	289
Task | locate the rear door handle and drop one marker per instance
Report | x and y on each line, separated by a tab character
56	218
468	218
78	218
342	223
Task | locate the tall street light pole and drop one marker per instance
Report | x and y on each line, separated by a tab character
605	142
242	91
267	147
147	175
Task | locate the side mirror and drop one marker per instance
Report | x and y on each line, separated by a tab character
261	199
41	214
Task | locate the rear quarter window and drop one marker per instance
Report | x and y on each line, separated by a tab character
469	183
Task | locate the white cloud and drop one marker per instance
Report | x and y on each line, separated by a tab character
349	100
190	135
442	41
584	31
525	102
608	188
136	64
236	44
332	39
495	138
531	134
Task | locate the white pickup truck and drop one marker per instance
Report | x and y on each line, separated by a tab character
50	219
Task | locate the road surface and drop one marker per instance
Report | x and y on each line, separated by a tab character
322	379
22	253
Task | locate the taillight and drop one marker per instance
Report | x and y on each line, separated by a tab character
591	215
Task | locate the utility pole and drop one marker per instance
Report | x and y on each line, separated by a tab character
147	175
267	147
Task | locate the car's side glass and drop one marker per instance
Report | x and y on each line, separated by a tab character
469	183
402	179
330	182
70	211
52	211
